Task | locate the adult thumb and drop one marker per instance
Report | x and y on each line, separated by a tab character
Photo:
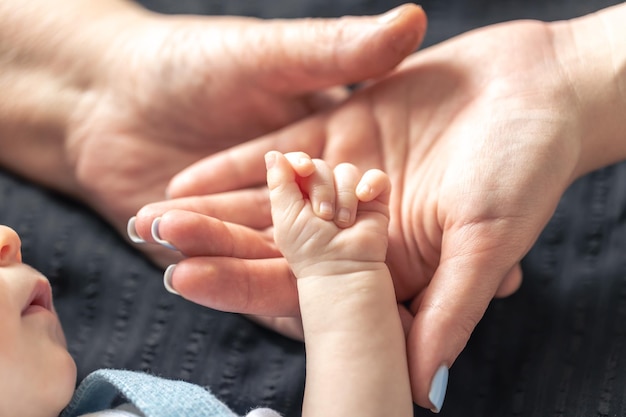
472	268
303	55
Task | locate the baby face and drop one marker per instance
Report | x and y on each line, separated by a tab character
37	374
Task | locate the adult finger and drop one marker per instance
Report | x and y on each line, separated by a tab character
243	166
302	55
248	286
471	269
195	234
248	207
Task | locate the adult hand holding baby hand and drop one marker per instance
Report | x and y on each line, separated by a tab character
480	136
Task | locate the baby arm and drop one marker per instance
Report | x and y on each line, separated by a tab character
331	226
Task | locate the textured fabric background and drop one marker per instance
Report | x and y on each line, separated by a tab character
556	348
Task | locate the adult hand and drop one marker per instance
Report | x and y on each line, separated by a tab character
150	94
480	136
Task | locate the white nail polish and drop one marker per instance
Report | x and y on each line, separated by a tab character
167	279
157	238
131	231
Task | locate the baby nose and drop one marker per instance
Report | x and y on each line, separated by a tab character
9	246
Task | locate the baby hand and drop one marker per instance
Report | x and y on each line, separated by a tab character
327	221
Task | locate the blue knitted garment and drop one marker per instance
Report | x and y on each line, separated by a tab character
153	396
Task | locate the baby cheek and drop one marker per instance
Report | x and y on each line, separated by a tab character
37	373
54	378
14	381
59	390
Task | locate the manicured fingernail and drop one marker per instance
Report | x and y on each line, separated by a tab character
326	208
343	215
131	231
270	160
167	279
364	190
155	234
438	388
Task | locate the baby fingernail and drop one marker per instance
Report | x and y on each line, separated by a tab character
131	231
343	216
364	190
326	208
155	234
270	160
167	279
438	388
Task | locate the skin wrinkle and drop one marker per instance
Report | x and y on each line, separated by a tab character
284	76
340	35
171	75
408	232
397	166
422	241
478	248
190	40
565	74
265	43
230	52
464	323
304	56
280	81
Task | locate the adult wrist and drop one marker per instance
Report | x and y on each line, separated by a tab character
591	51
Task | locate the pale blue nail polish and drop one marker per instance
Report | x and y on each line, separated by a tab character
438	388
131	231
157	238
167	279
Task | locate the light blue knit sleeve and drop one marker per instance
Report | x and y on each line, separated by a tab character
125	412
151	395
